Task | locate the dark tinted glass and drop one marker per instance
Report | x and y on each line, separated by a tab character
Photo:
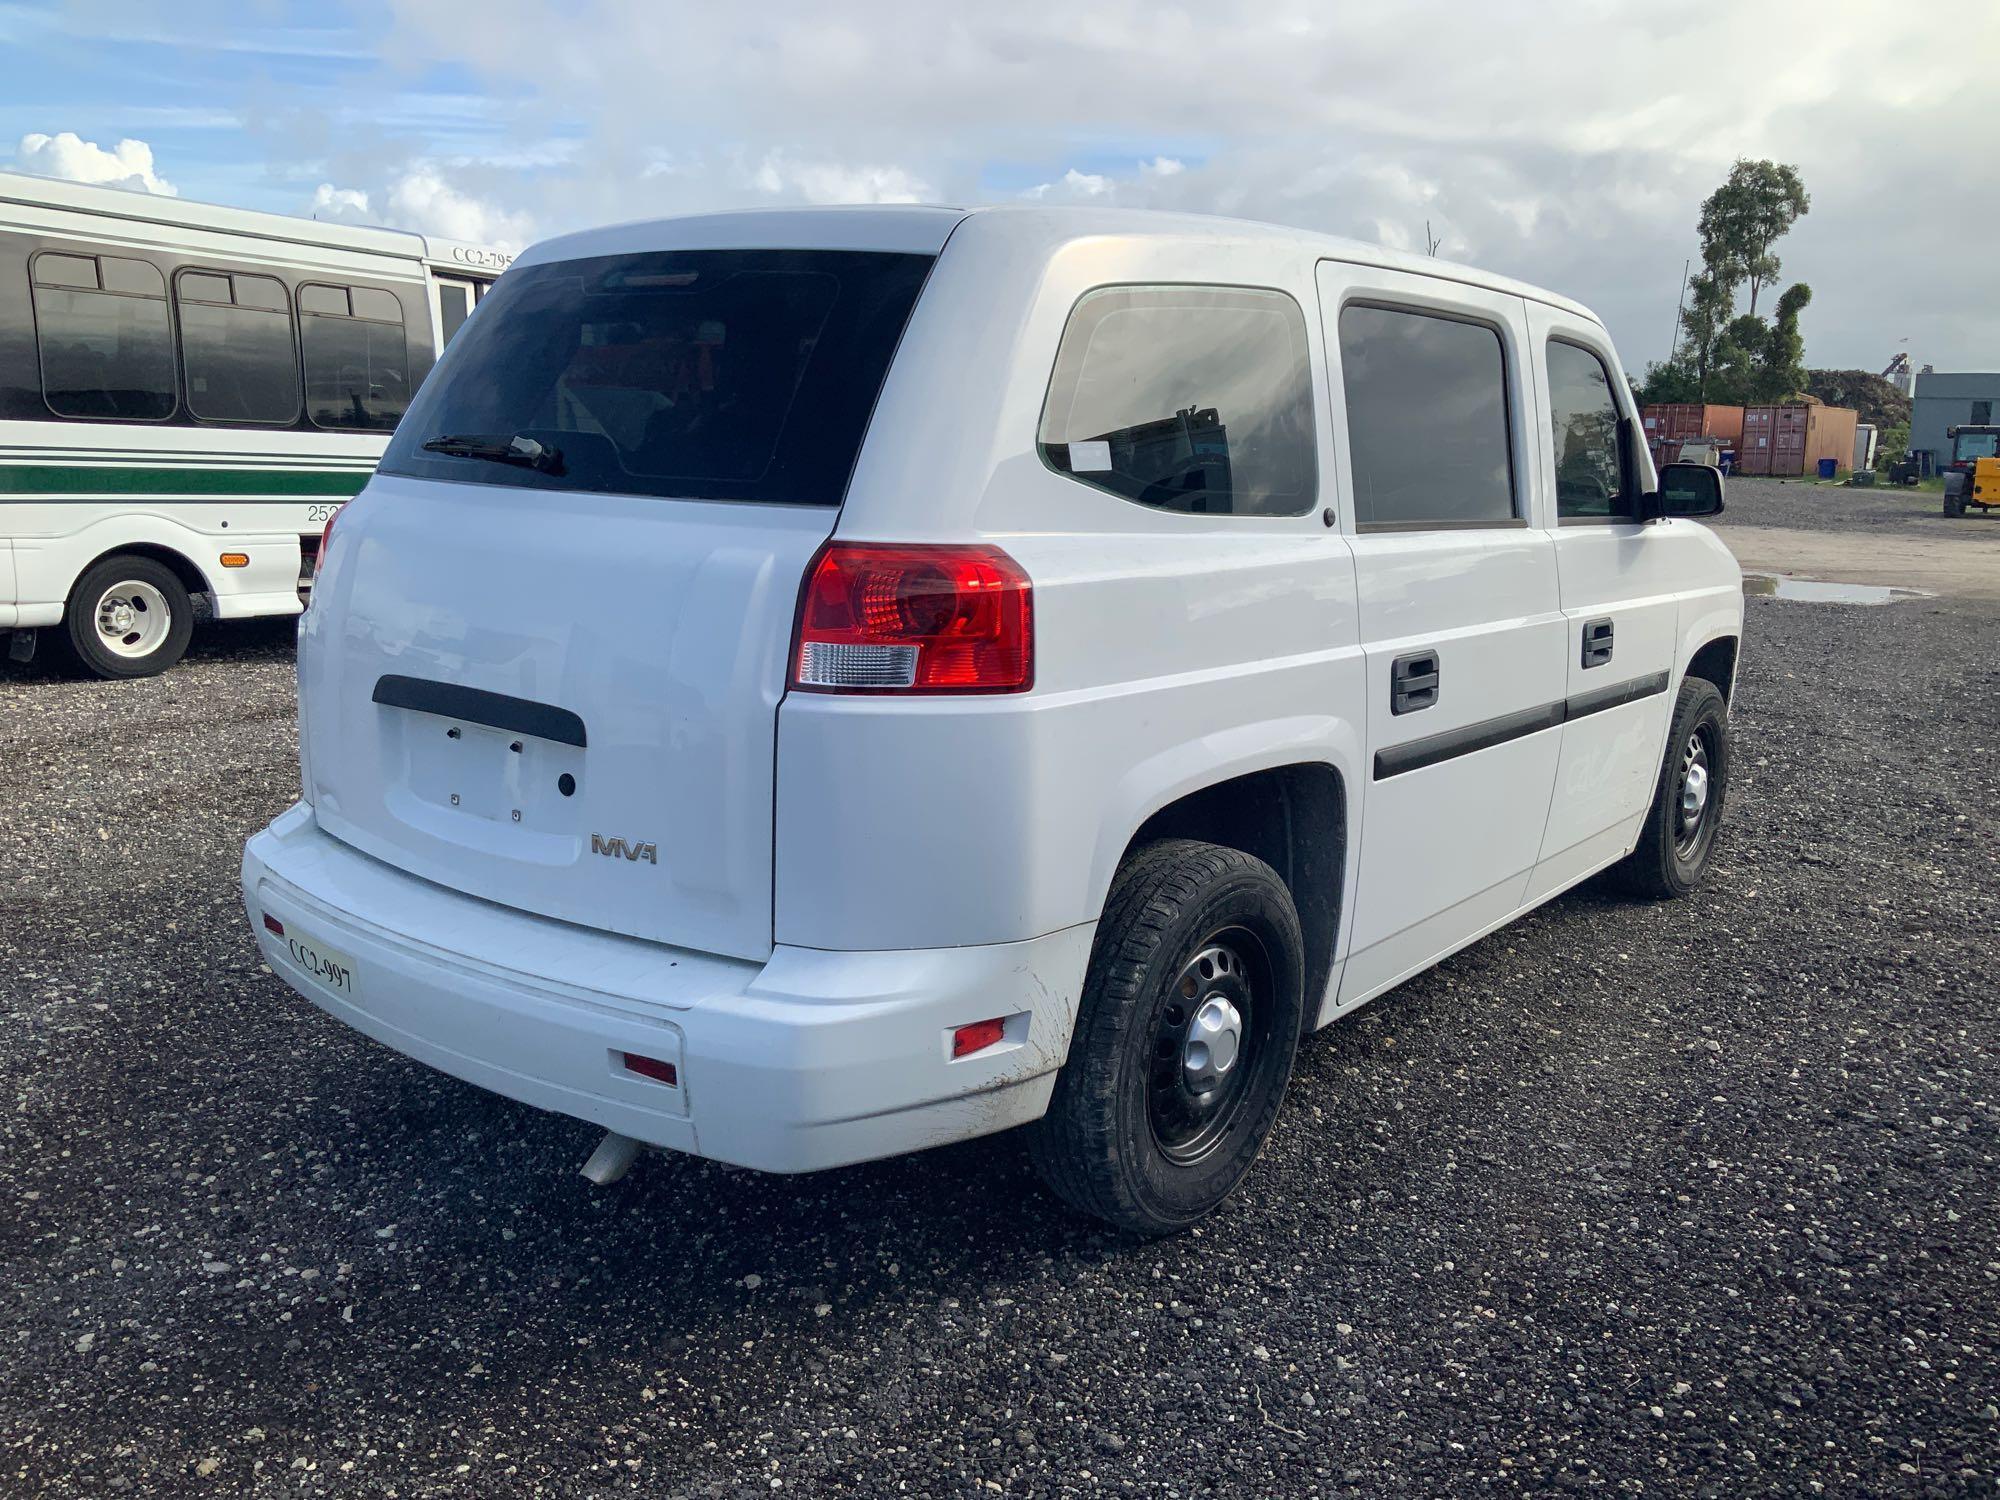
263	292
102	354
323	299
454	306
706	374
1584	416
195	287
1426	418
1194	399
239	363
66	270
357	373
370	302
139	277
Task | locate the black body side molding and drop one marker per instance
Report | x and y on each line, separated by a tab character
448	700
1398	760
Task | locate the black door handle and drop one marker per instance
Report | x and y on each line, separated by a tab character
1596	642
1413	682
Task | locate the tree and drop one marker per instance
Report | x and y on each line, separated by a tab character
1781	371
1710	302
1743	218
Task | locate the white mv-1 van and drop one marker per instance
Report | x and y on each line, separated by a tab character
807	686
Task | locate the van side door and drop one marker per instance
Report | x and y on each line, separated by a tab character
1619	579
1460	619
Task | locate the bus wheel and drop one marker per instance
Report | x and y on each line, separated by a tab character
128	617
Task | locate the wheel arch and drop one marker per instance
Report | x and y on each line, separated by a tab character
1715	661
1295	817
176	562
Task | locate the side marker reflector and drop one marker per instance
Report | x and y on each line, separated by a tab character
273	926
978	1036
653	1068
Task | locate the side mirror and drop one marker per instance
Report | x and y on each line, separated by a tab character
1687	490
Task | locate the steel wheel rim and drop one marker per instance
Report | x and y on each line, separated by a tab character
132	619
1694	794
1206	1043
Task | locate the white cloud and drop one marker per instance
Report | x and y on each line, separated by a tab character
129	164
421	199
330	202
779	175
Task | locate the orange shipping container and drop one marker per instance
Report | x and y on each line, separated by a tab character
1678	420
1788	440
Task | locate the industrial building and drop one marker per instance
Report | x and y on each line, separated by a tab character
1943	401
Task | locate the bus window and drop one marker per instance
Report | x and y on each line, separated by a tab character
455	299
102	330
356	357
236	348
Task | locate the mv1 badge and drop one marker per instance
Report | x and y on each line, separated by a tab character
615	848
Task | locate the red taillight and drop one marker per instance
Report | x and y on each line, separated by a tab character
978	1036
914	619
326	538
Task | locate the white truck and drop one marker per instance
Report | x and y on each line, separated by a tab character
807	686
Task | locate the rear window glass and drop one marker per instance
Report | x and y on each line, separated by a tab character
1189	398
701	375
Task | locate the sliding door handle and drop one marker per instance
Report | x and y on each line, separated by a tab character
1596	642
1413	682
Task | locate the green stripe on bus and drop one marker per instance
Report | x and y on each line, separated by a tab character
51	479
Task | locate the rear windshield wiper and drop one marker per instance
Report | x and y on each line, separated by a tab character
524	451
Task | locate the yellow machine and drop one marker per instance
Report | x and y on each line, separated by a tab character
1973	475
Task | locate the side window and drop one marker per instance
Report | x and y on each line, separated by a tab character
357	358
237	351
1426	418
105	340
1194	399
1584	415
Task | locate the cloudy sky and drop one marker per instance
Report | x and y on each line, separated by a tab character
1568	142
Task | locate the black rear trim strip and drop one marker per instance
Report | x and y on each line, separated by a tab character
1429	751
477	706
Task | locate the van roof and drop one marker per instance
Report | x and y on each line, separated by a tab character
1036	228
186	213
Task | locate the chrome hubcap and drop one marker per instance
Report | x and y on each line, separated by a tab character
1694	793
1212	1043
132	619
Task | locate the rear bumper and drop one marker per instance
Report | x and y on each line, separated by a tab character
813	1059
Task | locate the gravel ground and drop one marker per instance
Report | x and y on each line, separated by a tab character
1696	1198
1807	505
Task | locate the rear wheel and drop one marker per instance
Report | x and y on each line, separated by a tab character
1184	1040
1680	828
128	616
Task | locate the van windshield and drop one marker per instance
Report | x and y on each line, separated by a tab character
699	374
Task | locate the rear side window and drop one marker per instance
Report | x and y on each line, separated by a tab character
237	352
1189	398
1584	416
106	343
700	374
1426	419
357	357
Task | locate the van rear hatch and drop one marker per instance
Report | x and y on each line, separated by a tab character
547	643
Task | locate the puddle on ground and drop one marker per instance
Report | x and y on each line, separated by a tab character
1812	591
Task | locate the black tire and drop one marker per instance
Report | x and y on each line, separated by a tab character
140	588
1132	1135
1953	506
1673	853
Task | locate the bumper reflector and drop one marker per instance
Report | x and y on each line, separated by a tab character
978	1036
273	926
652	1067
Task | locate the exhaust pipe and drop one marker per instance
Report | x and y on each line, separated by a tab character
612	1159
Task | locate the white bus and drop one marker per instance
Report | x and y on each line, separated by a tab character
187	393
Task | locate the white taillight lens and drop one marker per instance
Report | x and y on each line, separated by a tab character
914	619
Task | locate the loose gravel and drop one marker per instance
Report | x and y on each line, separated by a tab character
1685	1199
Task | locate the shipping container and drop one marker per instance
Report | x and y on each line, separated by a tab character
1692	419
1789	440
